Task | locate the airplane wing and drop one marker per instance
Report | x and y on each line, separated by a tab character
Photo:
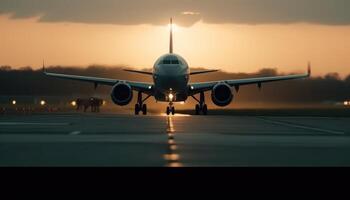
203	72
138	86
150	73
139	72
206	86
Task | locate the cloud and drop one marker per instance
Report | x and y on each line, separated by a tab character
186	12
190	13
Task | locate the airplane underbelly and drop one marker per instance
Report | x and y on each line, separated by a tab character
163	97
175	85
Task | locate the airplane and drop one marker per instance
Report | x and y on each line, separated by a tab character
171	83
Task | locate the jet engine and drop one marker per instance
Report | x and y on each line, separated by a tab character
122	94
222	94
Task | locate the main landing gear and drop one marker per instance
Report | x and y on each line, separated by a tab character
140	106
170	109
201	107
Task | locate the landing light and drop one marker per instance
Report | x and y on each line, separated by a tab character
73	103
171	97
42	103
346	103
14	102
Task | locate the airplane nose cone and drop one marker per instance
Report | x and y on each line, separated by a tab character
172	77
174	83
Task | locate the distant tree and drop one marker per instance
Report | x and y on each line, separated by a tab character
332	76
347	79
267	72
26	68
5	68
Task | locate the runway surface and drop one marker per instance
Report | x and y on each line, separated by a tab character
182	140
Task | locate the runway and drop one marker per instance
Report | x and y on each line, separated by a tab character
182	140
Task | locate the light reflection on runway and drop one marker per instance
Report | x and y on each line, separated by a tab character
176	115
172	157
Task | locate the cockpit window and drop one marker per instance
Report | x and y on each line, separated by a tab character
171	60
166	62
175	62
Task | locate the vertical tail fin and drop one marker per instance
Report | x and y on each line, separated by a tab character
44	70
309	69
171	36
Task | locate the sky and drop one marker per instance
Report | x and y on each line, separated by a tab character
231	35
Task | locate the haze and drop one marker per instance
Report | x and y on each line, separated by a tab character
234	36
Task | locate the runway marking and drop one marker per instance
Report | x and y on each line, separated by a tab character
302	126
31	124
58	138
75	133
172	157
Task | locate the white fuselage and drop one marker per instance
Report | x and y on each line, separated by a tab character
171	76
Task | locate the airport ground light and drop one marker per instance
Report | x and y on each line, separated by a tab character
17	107
44	106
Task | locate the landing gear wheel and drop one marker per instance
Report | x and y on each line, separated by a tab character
205	109
168	110
144	109
201	107
173	110
197	109
137	109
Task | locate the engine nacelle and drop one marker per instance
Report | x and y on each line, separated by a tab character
122	94
222	94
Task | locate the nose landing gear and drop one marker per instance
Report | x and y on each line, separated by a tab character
170	109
